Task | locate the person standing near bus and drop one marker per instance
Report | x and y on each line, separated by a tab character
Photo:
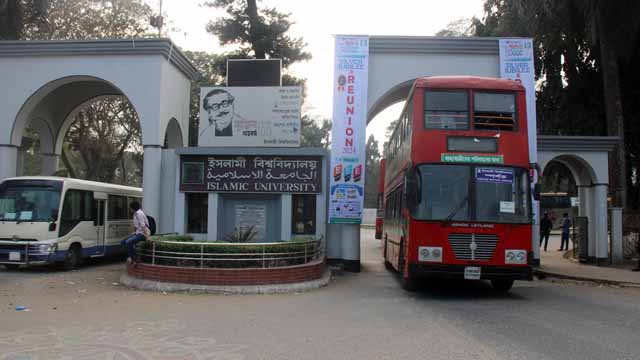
566	226
141	233
545	230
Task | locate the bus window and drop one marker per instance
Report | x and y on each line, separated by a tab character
77	206
494	111
446	110
33	201
117	208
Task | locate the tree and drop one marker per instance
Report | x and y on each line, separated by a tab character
585	53
258	34
313	135
372	166
103	133
211	69
457	28
15	15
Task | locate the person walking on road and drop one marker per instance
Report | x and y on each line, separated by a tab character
141	233
566	226
545	230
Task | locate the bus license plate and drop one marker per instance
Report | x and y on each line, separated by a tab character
14	256
472	273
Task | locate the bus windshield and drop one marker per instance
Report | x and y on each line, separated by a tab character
29	200
472	193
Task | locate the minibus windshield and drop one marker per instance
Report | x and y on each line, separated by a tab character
29	200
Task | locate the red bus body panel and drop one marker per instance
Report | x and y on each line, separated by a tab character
380	200
402	238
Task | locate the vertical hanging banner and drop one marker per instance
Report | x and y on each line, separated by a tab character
516	63
348	135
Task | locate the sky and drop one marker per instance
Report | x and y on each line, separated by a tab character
316	22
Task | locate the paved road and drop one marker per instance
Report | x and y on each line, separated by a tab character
83	315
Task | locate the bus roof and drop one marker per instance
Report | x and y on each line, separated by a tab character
71	181
468	82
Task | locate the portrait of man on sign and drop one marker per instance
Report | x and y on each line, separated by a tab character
218	104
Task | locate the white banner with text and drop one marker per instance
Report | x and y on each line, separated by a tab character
348	134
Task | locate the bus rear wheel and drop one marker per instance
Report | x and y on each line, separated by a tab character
502	285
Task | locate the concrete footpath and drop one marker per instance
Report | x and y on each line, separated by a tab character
552	263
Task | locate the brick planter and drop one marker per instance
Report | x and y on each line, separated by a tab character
229	277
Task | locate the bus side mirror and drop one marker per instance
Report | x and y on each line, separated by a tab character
537	189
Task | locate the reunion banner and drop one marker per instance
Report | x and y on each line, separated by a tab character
516	63
348	132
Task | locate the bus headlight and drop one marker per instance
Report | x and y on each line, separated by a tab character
430	253
47	248
515	257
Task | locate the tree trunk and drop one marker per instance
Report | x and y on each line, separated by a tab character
67	164
255	30
613	106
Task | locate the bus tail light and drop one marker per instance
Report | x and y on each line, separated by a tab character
515	257
430	253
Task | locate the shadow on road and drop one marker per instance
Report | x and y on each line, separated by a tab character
88	265
448	289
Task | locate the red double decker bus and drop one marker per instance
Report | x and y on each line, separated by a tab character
457	186
380	201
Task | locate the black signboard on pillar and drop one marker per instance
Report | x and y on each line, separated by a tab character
251	174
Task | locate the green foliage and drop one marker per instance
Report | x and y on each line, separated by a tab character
372	166
242	235
314	135
585	55
259	33
251	254
212	69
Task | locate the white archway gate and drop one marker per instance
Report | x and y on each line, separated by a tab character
51	80
395	61
587	157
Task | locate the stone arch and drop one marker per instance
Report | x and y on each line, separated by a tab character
395	94
592	193
173	135
583	173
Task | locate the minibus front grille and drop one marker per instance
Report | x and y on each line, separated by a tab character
485	246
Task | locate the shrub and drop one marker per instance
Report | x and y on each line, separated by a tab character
188	254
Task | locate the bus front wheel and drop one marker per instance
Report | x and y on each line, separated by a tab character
502	285
73	259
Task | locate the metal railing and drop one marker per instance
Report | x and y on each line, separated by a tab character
217	255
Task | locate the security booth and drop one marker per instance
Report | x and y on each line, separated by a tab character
251	194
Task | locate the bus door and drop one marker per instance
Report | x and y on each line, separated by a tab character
101	231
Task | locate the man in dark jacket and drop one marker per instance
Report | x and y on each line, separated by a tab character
566	228
545	230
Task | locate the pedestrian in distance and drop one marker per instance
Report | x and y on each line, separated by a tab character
545	230
566	226
142	231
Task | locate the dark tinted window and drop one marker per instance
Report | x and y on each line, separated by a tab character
77	206
118	208
446	110
197	213
304	214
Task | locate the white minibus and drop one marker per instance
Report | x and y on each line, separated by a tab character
46	220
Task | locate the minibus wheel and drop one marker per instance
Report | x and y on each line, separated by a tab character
73	258
502	285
